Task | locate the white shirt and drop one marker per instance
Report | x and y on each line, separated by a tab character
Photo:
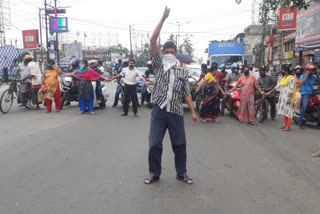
130	75
35	72
24	72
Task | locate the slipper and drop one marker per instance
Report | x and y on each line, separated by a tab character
185	179
151	179
282	127
316	155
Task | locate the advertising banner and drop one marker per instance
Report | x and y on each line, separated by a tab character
59	24
30	39
308	27
287	19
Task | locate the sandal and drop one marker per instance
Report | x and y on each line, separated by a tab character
282	127
151	179
286	129
185	179
316	155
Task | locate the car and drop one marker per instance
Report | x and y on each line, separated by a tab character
194	71
139	81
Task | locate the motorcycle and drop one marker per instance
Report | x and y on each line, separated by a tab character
312	114
233	106
70	92
146	91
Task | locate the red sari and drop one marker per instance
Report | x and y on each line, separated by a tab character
246	113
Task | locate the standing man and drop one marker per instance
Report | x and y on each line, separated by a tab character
267	82
35	76
306	84
118	69
170	88
130	90
101	68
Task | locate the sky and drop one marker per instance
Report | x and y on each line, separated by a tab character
107	22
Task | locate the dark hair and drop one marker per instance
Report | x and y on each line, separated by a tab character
132	60
51	61
204	66
119	61
169	44
214	66
85	62
262	69
286	68
100	62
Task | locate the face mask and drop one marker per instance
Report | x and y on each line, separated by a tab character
283	73
298	74
131	66
222	69
169	60
262	75
235	71
49	66
246	73
82	66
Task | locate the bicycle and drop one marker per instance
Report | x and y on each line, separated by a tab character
15	91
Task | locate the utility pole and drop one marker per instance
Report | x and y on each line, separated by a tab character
46	20
57	38
131	54
40	31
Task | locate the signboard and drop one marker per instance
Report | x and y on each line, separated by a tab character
268	51
308	27
288	55
30	39
317	56
287	19
58	25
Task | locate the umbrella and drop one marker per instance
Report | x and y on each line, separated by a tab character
184	58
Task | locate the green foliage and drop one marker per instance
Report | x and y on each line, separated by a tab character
19	59
269	6
118	49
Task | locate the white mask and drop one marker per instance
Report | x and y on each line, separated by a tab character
169	60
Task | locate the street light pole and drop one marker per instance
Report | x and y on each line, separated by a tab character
46	20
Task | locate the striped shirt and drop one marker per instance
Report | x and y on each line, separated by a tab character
170	86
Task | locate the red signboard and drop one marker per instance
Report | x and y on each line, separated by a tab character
268	51
287	19
30	39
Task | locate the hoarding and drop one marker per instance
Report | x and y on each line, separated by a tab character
287	19
30	39
58	25
308	27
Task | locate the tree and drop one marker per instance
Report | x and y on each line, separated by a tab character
118	49
268	6
186	47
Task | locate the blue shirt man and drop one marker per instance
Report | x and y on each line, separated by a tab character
306	81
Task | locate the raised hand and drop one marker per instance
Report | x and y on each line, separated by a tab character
166	13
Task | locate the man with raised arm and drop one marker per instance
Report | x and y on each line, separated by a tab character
170	88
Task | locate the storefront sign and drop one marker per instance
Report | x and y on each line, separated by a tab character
288	55
308	27
317	56
268	50
30	39
287	19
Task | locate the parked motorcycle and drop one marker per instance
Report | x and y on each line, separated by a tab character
312	114
146	91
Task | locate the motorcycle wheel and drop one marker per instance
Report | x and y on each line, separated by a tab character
63	101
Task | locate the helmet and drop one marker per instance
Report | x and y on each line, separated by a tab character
298	67
149	63
27	58
234	68
93	63
310	66
223	66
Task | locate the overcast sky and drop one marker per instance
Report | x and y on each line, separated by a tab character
201	20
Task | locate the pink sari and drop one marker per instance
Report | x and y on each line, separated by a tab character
246	113
87	75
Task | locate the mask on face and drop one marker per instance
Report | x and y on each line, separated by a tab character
235	71
222	69
169	60
283	73
82	66
262	75
298	74
131	66
49	66
246	73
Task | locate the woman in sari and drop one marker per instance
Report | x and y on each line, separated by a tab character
287	97
247	84
86	75
211	104
50	86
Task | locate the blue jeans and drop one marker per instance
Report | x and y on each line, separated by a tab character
304	104
83	103
162	120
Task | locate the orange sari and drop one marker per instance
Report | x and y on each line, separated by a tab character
51	83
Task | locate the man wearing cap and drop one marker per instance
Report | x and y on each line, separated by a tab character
170	89
35	76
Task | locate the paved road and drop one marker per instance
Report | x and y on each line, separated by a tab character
95	164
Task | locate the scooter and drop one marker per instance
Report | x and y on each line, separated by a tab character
312	114
233	106
146	91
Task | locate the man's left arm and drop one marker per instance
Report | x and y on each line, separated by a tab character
188	99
